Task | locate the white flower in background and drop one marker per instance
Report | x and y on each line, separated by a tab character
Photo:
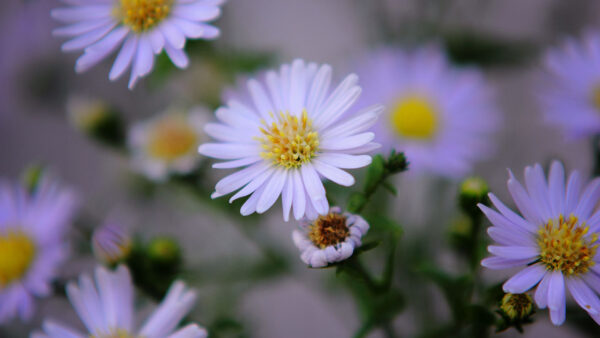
143	28
570	95
555	242
106	307
294	132
330	238
111	242
440	116
32	246
167	143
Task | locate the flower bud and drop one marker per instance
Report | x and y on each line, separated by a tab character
473	191
517	307
164	251
111	243
98	120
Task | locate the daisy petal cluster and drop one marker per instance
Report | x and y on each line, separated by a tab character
167	143
32	247
441	116
330	238
106	308
554	240
140	29
570	96
292	133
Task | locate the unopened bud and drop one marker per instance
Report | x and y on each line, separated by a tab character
517	306
111	243
97	119
164	251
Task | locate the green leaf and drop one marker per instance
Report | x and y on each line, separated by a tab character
356	202
390	187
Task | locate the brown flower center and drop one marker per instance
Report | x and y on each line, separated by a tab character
328	230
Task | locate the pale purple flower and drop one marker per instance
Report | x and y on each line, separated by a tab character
32	244
330	238
106	307
294	132
441	116
570	93
554	241
111	241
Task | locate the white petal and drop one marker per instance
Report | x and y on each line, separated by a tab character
525	279
314	188
346	161
177	56
347	142
299	196
333	174
228	151
124	57
172	35
98	51
88	38
319	88
556	298
197	12
272	191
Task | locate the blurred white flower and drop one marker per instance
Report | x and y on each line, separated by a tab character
107	310
330	238
32	246
167	143
291	133
440	116
143	28
570	94
555	242
111	241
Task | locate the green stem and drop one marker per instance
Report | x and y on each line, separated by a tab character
596	147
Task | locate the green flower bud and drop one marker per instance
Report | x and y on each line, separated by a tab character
397	162
98	120
517	307
164	251
473	191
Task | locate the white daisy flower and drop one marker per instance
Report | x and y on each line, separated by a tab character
570	95
32	247
555	242
329	239
290	135
107	310
167	143
143	28
440	116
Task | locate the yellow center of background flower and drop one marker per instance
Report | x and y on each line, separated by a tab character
290	141
115	333
564	247
414	117
17	251
141	15
171	138
328	230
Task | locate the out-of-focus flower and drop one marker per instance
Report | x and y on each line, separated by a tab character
143	28
556	240
330	238
570	95
96	119
32	228
111	242
293	132
167	143
164	251
440	116
107	310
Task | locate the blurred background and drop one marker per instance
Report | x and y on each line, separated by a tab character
504	37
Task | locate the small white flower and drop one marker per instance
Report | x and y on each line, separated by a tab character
330	238
441	116
32	247
570	95
288	136
107	310
143	28
167	143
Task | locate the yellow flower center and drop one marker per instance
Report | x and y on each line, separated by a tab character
17	251
142	15
328	230
414	117
564	246
290	141
171	138
115	333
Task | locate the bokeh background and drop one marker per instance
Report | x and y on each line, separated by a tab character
505	37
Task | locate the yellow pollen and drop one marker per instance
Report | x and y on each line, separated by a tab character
414	117
115	333
328	230
290	141
17	251
565	247
141	15
171	138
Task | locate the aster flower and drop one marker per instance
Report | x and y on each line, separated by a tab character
142	28
330	238
555	241
167	143
32	247
439	115
111	242
106	308
288	137
570	96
